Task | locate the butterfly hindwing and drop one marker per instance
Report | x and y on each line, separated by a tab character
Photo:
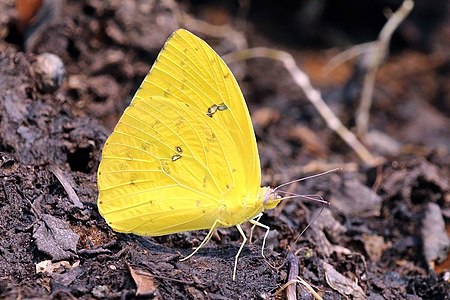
184	150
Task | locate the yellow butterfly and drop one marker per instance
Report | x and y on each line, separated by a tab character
183	156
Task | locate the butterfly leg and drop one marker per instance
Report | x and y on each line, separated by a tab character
256	218
240	249
216	224
256	222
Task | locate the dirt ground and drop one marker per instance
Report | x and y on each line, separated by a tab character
385	234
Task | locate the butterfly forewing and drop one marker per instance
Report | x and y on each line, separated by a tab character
183	150
188	70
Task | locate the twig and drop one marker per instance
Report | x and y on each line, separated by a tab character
99	250
313	95
304	283
293	279
348	54
67	186
374	60
242	14
223	32
291	290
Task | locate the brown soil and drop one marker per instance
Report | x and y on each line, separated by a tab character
384	236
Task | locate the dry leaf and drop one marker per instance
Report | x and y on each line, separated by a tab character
144	283
342	284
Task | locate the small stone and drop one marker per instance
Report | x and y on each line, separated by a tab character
100	291
48	71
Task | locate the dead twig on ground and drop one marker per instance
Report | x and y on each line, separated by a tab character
304	283
291	290
313	95
223	31
375	53
67	186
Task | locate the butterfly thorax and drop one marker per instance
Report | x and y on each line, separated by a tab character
248	206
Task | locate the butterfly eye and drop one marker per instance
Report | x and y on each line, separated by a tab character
270	196
271	199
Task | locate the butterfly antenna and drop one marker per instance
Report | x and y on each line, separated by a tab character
312	198
310	223
305	178
315	197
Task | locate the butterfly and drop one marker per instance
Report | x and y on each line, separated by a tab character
183	156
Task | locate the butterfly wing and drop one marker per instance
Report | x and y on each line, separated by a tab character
184	149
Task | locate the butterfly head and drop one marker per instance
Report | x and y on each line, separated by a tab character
270	198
